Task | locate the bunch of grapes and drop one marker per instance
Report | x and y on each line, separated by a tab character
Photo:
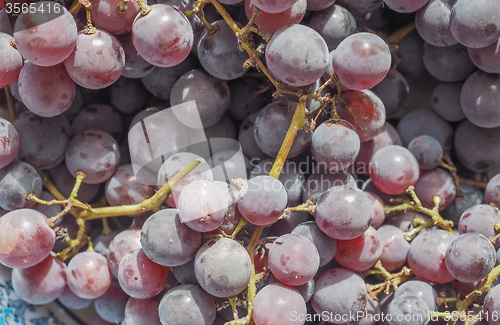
267	162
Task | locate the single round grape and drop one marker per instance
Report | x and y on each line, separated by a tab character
273	6
316	5
222	267
211	95
111	305
325	245
9	142
187	304
395	247
247	140
203	205
106	15
435	182
320	181
101	47
479	218
360	253
262	200
17	180
378	210
276	303
123	243
393	169
393	91
360	7
365	111
271	22
361	61
185	273
26	239
478	99
140	277
433	23
293	259
492	191
344	212
491	305
427	150
11	61
88	275
125	188
166	241
426	256
339	291
446	101
486	58
407	310
475	24
128	95
335	146
420	289
477	148
95	153
164	37
45	43
46	91
219	54
334	24
68	299
472	196
405	6
297	55
52	134
41	283
470	257
98	117
448	64
142	311
270	129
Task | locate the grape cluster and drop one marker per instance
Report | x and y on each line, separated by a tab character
340	163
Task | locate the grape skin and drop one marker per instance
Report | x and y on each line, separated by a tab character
339	291
187	304
167	241
394	247
40	283
434	182
142	311
491	305
480	218
111	305
9	142
297	55
360	253
273	6
269	22
222	267
88	275
276	304
420	289
478	99
470	257
400	308
334	24
293	259
344	213
17	180
164	37
126	241
12	62
492	191
361	61
427	150
325	245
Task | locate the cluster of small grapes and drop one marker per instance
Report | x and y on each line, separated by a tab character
336	198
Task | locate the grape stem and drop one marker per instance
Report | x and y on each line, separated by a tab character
392	280
473	183
198	10
89	29
10	105
415	205
448	164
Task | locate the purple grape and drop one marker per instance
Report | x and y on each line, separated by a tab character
262	200
142	310
361	61
393	91
128	95
167	241
12	61
164	37
491	305
219	54
125	188
334	24
475	24
123	243
492	191
335	146
426	256
408	310
344	213
111	305
271	125
433	23
35	132
395	247
434	182
88	275
105	14
446	101
17	180
222	267
278	304
9	143
135	65
185	303
405	6
420	289
448	64
325	245
339	291
273	6
486	58
360	253
320	181
297	55
470	257
95	153
480	218
478	99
